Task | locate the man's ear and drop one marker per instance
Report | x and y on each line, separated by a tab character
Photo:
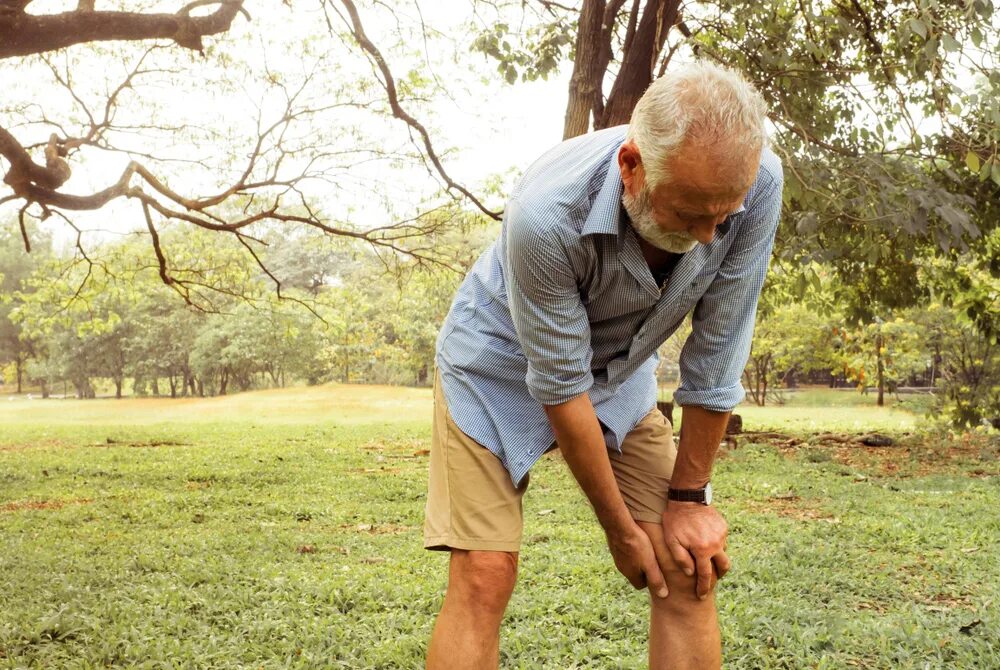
630	165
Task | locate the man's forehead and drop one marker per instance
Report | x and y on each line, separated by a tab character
695	177
697	199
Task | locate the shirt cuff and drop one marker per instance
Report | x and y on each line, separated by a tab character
717	399
550	390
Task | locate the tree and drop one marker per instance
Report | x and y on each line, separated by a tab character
853	86
964	318
16	349
882	353
190	169
787	340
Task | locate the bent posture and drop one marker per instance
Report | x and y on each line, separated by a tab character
608	242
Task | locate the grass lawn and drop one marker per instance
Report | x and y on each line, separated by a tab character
281	529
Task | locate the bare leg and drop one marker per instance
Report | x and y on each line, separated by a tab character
683	630
467	633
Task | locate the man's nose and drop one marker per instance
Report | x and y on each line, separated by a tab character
705	232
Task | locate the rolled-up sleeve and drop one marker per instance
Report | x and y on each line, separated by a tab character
545	305
716	352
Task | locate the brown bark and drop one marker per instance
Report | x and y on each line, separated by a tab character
639	61
585	82
881	370
23	34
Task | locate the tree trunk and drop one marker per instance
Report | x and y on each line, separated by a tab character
223	382
156	386
19	362
173	386
45	389
201	387
881	370
585	84
639	61
762	373
118	388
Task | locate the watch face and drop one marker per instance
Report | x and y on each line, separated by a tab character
708	493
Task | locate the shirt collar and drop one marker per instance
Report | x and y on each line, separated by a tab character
604	211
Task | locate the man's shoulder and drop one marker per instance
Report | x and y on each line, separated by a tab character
770	175
564	179
766	188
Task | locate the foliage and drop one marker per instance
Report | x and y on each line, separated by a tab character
968	334
16	347
882	353
343	315
790	339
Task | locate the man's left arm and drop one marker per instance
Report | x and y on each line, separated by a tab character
712	364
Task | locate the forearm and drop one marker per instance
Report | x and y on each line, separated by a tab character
578	434
701	433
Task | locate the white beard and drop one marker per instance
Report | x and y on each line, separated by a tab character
640	210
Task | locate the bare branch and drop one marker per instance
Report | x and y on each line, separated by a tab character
389	83
24	229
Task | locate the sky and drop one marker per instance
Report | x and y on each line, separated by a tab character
483	129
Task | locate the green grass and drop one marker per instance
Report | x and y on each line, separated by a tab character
282	529
815	410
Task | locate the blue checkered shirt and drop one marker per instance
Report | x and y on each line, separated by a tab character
564	303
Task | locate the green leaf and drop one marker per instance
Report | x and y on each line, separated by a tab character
919	27
996	173
984	172
972	161
949	43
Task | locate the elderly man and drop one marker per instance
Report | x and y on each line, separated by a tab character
608	241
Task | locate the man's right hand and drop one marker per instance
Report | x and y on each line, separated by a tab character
578	433
633	555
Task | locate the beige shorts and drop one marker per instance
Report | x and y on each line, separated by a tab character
472	503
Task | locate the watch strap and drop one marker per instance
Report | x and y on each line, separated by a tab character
688	495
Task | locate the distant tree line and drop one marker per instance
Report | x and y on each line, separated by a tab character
922	313
343	315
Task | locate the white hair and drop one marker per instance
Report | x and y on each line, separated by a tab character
708	105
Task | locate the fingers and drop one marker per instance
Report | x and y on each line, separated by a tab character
654	578
704	566
722	563
682	557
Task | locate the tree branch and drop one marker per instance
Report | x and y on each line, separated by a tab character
23	34
389	83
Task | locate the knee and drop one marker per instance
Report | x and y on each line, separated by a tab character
683	600
483	580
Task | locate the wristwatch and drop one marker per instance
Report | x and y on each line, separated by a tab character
703	495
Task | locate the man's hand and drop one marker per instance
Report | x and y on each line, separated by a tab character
633	555
695	535
581	441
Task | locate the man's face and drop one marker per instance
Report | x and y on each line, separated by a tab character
693	200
